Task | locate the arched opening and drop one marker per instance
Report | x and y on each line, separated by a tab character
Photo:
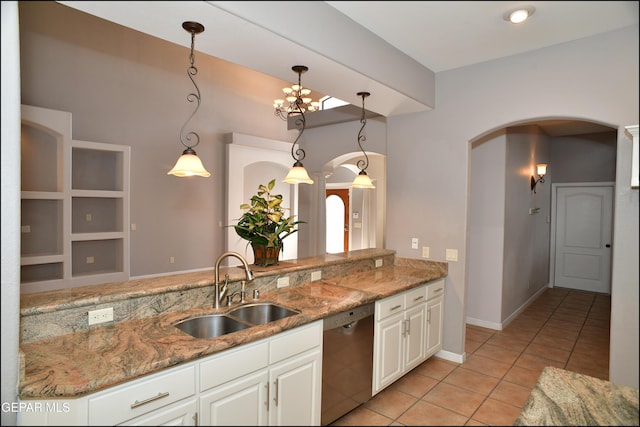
337	224
510	242
363	222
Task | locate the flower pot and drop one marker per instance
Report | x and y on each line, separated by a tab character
264	256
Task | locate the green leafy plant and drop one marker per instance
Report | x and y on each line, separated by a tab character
264	221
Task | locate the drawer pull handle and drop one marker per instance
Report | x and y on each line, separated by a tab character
418	298
438	290
395	307
137	404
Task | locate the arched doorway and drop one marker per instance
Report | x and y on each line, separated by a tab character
510	236
337	207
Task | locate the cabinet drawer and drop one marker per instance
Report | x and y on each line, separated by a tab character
233	364
141	396
415	297
296	341
389	306
435	289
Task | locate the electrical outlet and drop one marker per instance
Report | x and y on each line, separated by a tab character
316	275
172	260
414	243
283	282
100	316
452	255
379	262
25	229
89	217
90	260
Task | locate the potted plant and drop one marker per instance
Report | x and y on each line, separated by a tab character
264	224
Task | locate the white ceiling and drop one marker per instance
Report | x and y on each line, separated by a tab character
443	35
388	48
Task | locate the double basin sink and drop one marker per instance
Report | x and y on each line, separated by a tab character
242	317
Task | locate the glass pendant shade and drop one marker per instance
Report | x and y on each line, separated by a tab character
297	175
362	181
189	164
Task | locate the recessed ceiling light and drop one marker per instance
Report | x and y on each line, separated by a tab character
519	15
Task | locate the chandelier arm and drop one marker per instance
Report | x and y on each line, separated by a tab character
192	97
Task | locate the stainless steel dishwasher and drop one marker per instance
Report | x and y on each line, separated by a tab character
347	361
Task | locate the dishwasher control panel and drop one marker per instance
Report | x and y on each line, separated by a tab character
348	316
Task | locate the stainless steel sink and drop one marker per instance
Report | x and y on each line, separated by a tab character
245	316
261	313
210	326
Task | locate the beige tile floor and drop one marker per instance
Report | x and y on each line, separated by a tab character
563	328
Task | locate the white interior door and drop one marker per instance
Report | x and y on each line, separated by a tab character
583	237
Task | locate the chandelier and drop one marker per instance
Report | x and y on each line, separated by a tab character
296	98
297	107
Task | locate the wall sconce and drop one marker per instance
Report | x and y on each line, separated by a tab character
362	180
189	163
542	171
297	174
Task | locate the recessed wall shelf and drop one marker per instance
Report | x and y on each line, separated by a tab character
74	207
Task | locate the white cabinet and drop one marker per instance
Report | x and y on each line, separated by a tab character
408	330
274	381
234	386
435	303
277	381
399	336
74	206
295	377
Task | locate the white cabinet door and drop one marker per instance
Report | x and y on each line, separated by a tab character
179	414
415	336
388	354
434	326
239	402
296	388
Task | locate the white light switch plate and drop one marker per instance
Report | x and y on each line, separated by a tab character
425	252
452	255
283	282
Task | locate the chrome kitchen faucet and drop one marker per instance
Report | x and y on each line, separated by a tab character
220	293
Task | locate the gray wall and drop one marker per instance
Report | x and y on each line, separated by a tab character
584	158
594	79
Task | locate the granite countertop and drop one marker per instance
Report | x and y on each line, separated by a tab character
564	398
83	362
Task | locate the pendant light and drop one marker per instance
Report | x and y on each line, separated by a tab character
298	174
362	180
189	163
